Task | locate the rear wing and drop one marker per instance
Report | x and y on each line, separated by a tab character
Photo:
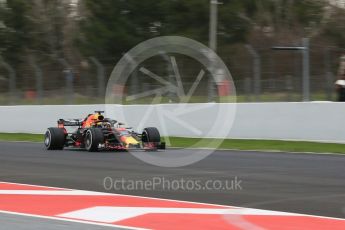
74	122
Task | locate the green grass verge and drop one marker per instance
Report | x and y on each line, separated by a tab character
21	137
240	144
288	146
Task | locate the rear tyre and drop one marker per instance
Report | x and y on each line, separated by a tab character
151	134
93	138
54	139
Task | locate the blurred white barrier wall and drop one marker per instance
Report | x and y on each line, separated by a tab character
315	121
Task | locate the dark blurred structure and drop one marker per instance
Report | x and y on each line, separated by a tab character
63	51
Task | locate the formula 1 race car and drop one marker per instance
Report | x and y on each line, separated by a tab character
96	132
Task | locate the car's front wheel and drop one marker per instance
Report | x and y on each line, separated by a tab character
151	134
93	137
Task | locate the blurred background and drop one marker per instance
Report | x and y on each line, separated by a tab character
63	51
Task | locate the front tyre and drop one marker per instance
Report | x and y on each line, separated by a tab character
54	139
151	135
93	137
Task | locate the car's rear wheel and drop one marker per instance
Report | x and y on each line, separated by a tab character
151	134
93	138
54	139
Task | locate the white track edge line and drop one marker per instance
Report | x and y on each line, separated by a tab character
189	202
239	150
261	151
71	220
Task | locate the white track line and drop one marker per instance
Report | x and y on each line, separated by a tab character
188	202
260	151
239	150
71	220
108	214
53	193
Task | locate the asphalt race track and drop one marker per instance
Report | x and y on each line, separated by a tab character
300	183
